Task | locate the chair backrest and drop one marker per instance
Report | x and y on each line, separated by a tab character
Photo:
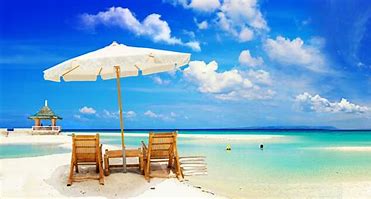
162	145
85	147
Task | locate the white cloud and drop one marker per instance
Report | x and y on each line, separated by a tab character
260	76
295	52
110	114
116	114
183	3
245	35
154	115
195	45
228	85
191	34
255	93
87	110
172	114
79	117
210	81
198	5
150	114
202	25
317	103
240	17
246	59
130	114
158	80
226	24
244	11
204	5
152	26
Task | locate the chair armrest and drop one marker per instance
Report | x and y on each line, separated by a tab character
144	147
144	150
100	148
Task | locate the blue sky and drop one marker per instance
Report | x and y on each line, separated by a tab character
254	63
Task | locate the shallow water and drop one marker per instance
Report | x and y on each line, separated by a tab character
29	150
295	160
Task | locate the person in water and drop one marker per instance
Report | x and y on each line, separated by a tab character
261	147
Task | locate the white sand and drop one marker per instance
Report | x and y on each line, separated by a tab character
46	177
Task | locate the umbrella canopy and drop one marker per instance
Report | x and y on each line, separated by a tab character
102	63
116	61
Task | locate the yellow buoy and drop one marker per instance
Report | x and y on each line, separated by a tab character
228	148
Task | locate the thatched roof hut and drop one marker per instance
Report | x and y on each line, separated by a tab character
45	113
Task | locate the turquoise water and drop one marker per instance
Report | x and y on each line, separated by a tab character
295	158
29	150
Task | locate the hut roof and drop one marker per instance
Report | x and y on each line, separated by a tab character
45	113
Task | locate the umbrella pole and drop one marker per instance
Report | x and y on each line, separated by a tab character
121	118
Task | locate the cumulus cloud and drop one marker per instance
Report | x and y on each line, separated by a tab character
317	103
246	59
79	117
228	85
110	114
260	76
130	114
152	26
195	45
198	5
295	52
240	17
158	80
202	25
87	110
116	114
246	34
169	117
205	5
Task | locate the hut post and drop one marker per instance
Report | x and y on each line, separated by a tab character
54	122
37	122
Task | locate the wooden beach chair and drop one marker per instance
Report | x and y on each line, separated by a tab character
86	150
162	147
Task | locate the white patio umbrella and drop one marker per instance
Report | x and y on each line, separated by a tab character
116	61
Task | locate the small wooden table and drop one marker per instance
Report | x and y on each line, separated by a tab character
130	153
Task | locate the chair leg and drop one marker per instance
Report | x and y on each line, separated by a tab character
179	172
101	176
141	164
148	168
170	163
106	166
70	177
76	167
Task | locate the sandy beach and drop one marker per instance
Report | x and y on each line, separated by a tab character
46	177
